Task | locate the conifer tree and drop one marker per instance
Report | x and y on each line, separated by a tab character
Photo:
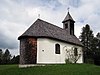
1	56
6	57
86	39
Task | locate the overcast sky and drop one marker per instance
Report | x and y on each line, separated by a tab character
17	15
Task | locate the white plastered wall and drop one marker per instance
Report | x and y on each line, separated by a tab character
46	51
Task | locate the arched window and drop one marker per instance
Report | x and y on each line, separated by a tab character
57	48
75	52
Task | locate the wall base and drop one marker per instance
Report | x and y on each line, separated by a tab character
30	65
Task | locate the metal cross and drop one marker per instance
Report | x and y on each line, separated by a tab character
68	9
38	15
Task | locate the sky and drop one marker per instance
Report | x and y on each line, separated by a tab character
18	15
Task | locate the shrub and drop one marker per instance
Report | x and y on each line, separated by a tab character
67	61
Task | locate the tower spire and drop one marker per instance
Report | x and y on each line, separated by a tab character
68	17
68	24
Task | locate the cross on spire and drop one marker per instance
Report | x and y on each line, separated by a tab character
68	9
38	15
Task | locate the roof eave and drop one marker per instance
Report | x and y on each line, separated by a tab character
21	37
68	20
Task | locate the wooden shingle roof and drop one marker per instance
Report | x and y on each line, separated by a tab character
44	29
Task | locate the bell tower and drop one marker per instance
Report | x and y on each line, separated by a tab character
68	24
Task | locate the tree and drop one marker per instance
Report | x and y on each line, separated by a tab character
72	55
96	44
6	57
15	60
98	35
86	38
1	56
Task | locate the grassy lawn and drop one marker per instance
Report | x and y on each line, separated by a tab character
65	69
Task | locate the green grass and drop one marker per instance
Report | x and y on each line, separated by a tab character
65	69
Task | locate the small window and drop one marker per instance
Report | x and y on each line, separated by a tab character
75	52
57	48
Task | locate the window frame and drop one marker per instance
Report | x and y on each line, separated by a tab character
75	51
57	48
